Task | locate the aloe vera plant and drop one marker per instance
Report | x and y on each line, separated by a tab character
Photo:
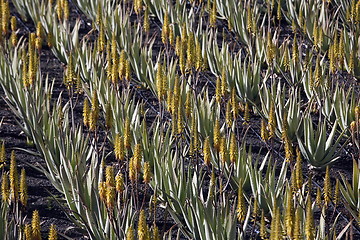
318	147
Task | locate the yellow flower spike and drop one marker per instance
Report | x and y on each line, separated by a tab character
293	26
309	222
317	73
24	69
164	82
171	35
5	17
357	12
165	28
289	214
318	200
263	131
23	188
241	208
352	62
331	59
86	112
233	151
275	228
119	183
101	38
13	37
247	113
137	157
279	230
320	37
147	172
341	50
223	82
28	232
109	176
337	193
190	51
130	235
50	40
223	150
179	124
78	84
32	60
182	59
335	45
327	187
114	76
108	116
178	46
122	64
286	59
2	153
228	115
102	191
218	94
212	18
146	24
94	114
127	70
315	34
109	67
14	179
143	229
278	11
175	96
5	188
59	12
207	151
272	121
138	6
52	233
155	232
198	56
249	19
112	50
119	147
263	233
217	136
66	10
297	235
39	31
270	48
188	104
13	24
159	81
298	169
110	197
287	142
234	104
255	211
295	51
35	226
99	16
357	113
70	72
174	118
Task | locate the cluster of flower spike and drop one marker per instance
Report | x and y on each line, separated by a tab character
33	231
118	65
13	189
143	230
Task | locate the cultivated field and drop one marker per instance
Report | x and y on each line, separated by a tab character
174	119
